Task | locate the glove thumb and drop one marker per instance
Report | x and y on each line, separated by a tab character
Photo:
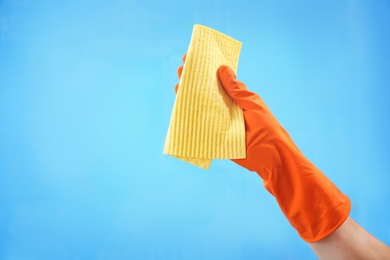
238	91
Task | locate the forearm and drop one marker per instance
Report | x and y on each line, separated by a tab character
350	241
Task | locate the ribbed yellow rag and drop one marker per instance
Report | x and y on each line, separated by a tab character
205	123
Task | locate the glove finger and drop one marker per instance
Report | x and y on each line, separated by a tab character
179	71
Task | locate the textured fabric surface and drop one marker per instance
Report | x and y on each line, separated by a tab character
205	123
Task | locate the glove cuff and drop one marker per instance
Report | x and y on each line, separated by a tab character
313	205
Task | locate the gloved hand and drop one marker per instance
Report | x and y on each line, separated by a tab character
311	202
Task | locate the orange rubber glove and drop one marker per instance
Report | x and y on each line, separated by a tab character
311	202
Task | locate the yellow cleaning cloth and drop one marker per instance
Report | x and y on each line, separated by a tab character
205	123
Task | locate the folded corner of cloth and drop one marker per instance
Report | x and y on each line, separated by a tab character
205	123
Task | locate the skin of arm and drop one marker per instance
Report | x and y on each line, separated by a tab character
350	241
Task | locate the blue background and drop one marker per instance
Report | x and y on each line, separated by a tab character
86	92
